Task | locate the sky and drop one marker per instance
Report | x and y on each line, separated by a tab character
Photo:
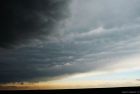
62	41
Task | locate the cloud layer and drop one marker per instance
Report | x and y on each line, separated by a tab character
96	35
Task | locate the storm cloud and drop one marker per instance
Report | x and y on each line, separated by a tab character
23	20
95	36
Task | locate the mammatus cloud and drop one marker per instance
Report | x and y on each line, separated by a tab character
97	35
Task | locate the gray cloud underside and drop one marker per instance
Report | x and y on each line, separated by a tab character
97	33
26	20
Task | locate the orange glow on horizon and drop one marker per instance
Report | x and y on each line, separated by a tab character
69	85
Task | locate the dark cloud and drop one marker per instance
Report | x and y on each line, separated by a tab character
21	20
98	34
32	64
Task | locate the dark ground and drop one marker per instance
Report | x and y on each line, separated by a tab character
123	90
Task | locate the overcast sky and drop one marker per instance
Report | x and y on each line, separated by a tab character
71	39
